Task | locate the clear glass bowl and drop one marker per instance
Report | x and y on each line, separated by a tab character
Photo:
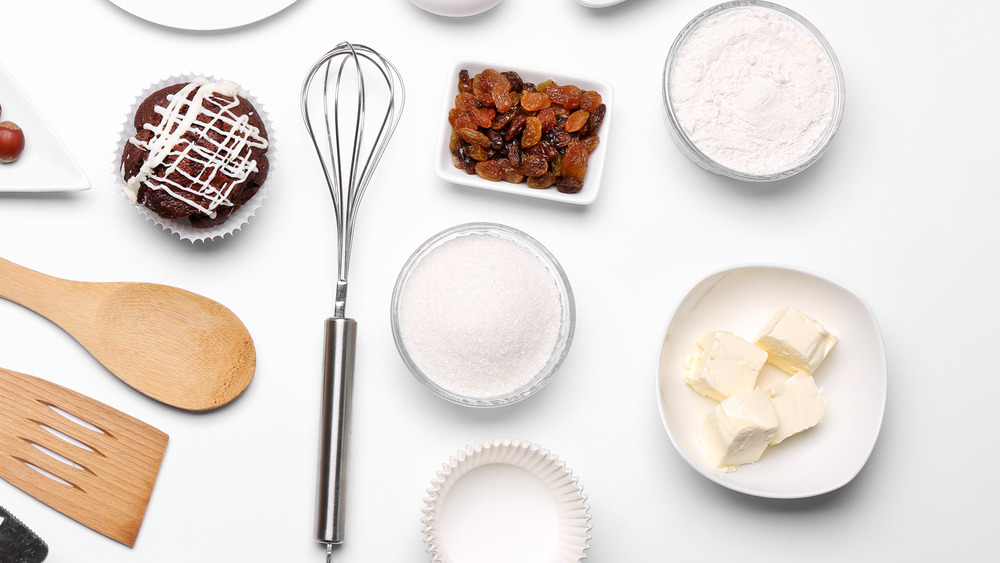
566	328
695	153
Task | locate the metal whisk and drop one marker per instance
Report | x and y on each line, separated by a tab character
347	69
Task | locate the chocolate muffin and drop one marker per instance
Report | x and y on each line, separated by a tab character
199	152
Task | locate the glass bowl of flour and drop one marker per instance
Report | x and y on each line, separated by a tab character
752	91
483	314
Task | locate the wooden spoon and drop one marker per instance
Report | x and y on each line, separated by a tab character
175	346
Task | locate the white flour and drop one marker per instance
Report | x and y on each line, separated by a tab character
753	90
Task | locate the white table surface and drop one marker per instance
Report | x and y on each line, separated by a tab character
901	209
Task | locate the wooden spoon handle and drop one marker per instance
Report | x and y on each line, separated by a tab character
63	302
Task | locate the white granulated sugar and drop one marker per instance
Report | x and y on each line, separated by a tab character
480	315
753	89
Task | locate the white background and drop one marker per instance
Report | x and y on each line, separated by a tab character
901	209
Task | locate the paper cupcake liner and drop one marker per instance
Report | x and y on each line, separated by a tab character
567	494
182	228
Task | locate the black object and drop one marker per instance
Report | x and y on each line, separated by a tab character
18	544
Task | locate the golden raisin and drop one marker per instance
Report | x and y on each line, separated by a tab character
532	132
576	120
490	170
574	161
534	101
568	96
474	136
589	100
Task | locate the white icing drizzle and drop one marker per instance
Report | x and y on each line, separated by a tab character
230	157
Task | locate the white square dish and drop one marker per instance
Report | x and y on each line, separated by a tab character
446	170
853	379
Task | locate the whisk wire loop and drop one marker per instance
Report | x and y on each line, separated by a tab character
338	65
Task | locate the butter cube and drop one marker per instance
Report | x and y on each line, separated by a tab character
739	429
723	365
798	404
795	342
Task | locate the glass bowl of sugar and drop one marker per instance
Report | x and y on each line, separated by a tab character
752	91
483	314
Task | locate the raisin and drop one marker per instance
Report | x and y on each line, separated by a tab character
576	120
568	96
506	129
465	161
486	83
501	97
589	100
463	121
474	137
542	182
544	150
510	172
515	80
503	119
496	139
483	117
479	153
464	82
574	161
515	127
514	153
596	117
533	166
548	118
569	185
490	170
532	132
558	138
534	101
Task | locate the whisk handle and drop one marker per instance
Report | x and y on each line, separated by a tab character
338	377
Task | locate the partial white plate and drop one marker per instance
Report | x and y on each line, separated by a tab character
599	3
852	379
455	8
446	170
45	165
203	15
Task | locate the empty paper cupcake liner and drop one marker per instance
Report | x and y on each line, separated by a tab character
569	504
182	228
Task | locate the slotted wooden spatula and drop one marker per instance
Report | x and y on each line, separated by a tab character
83	458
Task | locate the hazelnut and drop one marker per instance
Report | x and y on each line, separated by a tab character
11	141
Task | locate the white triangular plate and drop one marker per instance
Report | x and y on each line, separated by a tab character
45	165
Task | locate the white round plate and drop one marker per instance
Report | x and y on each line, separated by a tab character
203	15
852	379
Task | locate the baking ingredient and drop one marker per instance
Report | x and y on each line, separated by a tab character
795	342
798	404
11	141
723	365
739	429
506	129
753	89
749	418
480	315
